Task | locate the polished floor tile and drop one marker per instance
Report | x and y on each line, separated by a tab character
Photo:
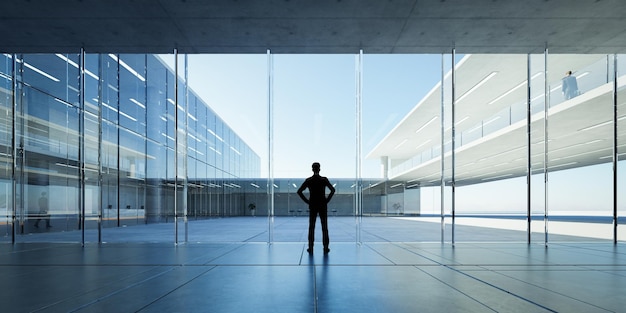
227	275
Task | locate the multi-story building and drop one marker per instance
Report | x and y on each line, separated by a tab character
123	142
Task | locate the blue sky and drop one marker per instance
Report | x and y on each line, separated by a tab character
314	104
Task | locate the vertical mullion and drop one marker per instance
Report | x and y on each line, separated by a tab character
545	143
81	144
528	149
270	141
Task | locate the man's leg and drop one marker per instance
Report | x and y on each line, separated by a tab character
312	217
324	221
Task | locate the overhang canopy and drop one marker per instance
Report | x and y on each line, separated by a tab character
324	26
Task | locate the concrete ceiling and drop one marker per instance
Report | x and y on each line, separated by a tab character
323	26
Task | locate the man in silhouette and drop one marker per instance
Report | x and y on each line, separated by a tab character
318	204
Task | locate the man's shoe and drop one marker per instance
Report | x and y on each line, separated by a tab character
309	250
326	250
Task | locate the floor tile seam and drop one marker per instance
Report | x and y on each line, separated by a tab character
175	289
381	254
508	252
531	268
621	272
549	290
500	250
49	246
374	235
234	247
502	289
604	253
426	257
457	289
110	294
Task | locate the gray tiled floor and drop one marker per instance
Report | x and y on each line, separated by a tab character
137	272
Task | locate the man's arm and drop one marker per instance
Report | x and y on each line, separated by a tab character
300	190
332	190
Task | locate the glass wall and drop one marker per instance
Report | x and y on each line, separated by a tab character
93	142
579	150
523	145
6	151
48	134
96	148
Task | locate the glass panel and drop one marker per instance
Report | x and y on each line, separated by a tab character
110	87
131	170
92	186
56	75
181	150
158	119
580	147
621	146
490	155
401	142
132	92
314	121
109	175
444	190
6	118
48	133
537	147
226	136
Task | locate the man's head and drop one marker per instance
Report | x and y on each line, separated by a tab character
316	167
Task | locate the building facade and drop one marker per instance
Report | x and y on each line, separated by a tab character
108	140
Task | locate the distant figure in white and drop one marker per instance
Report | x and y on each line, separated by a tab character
569	86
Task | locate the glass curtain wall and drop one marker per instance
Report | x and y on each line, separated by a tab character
128	142
313	121
95	149
6	151
47	138
520	146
